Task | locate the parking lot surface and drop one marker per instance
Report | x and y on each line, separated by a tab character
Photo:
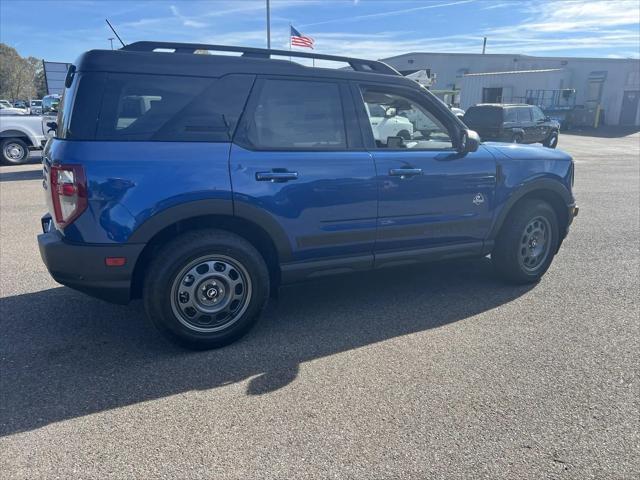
437	371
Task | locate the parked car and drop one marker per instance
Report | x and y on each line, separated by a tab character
50	104
22	105
18	135
6	103
386	123
36	107
11	110
202	182
516	123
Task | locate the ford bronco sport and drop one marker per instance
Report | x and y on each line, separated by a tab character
201	182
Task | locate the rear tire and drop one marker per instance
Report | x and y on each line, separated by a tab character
551	141
206	288
516	138
14	151
527	242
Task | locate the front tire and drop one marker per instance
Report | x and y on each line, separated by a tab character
14	151
527	242
206	288
551	141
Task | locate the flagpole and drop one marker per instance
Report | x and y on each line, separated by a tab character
268	26
289	40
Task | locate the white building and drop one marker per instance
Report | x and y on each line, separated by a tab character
612	83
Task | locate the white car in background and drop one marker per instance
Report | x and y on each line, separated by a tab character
386	123
4	110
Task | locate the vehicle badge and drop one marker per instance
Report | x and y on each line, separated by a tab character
478	199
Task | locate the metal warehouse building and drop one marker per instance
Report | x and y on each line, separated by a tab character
612	84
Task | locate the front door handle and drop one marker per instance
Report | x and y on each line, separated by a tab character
405	172
276	176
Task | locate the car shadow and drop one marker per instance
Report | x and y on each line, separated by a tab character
66	355
20	175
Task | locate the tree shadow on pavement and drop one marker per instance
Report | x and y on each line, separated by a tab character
66	355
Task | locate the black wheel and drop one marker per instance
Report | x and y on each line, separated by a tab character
404	134
527	242
516	138
206	288
14	151
551	141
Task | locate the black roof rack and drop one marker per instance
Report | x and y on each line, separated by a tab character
358	64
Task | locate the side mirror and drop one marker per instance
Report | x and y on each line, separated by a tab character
390	112
52	126
469	142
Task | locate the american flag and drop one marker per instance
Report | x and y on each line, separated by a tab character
299	40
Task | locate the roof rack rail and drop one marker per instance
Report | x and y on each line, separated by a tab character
358	64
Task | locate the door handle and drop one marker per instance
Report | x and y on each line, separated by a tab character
276	176
405	172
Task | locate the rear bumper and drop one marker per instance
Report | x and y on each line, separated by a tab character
82	267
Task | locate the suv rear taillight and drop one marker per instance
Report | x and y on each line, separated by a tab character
68	192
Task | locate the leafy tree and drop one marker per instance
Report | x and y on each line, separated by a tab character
20	78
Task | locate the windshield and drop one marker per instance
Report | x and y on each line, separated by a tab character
36	103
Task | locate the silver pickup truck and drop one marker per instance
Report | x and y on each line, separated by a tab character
21	133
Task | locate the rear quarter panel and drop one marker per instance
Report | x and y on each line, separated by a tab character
129	182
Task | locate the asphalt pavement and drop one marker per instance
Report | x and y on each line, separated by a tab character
437	371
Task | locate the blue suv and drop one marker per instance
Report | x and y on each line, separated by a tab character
202	182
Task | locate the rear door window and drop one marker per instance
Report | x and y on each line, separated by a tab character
524	114
483	117
510	115
172	108
294	114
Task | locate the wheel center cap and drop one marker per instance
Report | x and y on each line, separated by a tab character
211	292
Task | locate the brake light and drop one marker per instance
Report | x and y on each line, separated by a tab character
68	192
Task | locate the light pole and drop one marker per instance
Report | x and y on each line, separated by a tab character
268	25
111	40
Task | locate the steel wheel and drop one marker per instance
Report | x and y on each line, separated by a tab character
14	152
211	293
534	244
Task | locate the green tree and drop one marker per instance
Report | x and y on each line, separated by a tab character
20	77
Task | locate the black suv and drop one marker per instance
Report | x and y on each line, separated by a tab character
516	123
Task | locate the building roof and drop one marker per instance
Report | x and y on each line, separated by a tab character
511	55
544	70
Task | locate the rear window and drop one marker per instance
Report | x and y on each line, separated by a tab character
171	108
133	107
483	117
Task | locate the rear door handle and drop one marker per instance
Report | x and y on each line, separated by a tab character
405	172
276	176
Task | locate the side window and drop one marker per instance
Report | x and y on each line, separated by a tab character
537	114
524	114
294	114
172	108
510	115
397	121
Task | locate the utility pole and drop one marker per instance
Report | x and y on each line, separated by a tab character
484	45
268	25
111	40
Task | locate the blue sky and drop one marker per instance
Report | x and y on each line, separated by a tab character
60	30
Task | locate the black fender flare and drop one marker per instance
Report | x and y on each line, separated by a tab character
198	208
517	131
541	184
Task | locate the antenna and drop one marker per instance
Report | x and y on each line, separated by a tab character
114	32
